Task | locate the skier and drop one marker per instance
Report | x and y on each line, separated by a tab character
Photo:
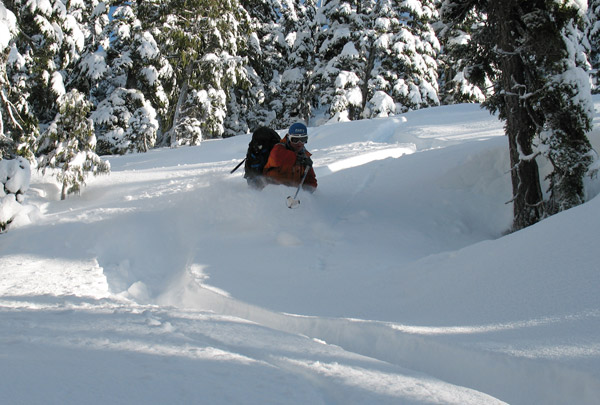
289	159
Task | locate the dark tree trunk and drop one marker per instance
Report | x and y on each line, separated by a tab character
527	192
520	126
180	101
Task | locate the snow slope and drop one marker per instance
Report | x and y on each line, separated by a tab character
171	281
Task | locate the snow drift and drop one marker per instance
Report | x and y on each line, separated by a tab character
171	280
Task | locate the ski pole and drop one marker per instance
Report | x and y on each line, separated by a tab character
237	167
291	201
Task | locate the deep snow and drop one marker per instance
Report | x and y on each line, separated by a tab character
171	281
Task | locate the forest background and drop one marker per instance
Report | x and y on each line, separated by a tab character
83	79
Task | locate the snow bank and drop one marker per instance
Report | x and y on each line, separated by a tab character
393	283
14	181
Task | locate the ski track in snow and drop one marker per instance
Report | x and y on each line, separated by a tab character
516	379
206	324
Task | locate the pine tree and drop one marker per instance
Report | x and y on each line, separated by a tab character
240	94
531	51
296	87
18	126
14	170
125	118
376	58
69	144
406	47
8	29
592	35
126	122
455	75
40	44
568	110
53	38
201	41
341	62
91	68
267	52
42	63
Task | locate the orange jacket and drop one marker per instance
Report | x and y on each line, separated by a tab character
281	168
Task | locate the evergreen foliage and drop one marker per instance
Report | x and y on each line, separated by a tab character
50	42
69	144
340	66
376	58
592	36
201	41
15	126
406	55
127	122
154	73
18	126
457	77
91	67
128	89
531	50
296	90
266	53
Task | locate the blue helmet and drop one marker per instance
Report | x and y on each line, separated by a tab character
298	129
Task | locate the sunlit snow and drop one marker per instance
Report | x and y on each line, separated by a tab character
171	281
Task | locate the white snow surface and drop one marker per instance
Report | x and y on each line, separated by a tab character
171	281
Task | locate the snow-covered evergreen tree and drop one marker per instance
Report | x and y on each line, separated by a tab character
295	93
266	53
126	121
405	66
568	111
36	48
455	83
18	127
14	171
125	118
201	41
592	35
43	60
69	144
532	51
8	29
340	70
51	42
90	69
241	96
376	58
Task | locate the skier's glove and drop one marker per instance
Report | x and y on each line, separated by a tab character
304	160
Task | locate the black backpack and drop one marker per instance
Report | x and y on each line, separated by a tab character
263	140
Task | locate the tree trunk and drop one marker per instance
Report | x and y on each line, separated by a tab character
367	73
527	193
179	106
63	192
520	126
